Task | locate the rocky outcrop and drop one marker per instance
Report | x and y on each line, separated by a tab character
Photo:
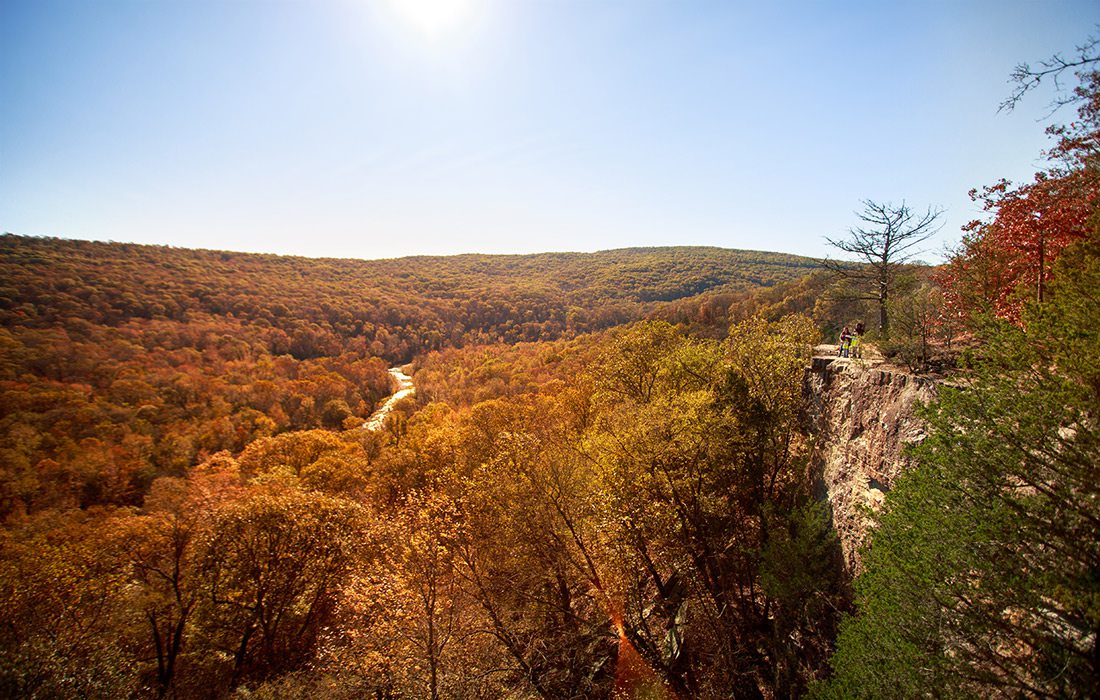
862	416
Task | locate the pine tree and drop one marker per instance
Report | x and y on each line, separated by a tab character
983	578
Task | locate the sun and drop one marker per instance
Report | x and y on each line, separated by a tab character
433	18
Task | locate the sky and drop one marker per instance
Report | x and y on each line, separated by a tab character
385	128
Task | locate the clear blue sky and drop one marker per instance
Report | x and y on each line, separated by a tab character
356	128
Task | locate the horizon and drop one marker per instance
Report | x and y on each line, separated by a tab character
418	255
384	129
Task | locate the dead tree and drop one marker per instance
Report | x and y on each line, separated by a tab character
885	242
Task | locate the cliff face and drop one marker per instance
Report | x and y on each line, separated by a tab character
862	417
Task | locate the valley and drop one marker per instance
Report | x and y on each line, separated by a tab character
651	497
635	473
549	350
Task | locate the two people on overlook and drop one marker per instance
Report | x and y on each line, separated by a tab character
850	342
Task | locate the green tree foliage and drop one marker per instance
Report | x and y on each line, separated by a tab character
982	577
712	313
922	334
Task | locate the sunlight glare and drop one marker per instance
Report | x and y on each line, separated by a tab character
433	18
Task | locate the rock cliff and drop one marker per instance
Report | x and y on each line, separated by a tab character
862	416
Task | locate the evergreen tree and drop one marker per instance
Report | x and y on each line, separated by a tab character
983	578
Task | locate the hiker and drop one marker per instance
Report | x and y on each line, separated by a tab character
857	341
845	342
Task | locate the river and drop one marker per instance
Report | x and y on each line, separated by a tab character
404	388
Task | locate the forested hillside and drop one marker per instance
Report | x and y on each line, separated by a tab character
602	488
192	508
391	309
121	363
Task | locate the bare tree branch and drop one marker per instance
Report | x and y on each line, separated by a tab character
1027	78
885	242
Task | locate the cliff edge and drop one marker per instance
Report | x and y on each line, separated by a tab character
862	415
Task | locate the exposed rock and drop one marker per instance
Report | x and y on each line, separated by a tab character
862	416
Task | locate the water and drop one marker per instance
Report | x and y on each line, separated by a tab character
404	388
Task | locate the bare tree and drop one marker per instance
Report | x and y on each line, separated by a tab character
882	245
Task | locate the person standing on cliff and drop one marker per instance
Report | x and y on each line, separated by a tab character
857	342
845	342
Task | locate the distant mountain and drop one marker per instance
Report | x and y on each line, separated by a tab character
397	307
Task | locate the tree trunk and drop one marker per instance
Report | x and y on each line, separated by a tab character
883	319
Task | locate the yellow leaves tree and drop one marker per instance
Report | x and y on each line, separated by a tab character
289	452
696	472
159	550
271	572
412	622
62	586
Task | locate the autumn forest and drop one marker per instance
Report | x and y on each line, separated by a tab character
600	488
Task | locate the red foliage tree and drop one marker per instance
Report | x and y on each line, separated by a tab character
1008	258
